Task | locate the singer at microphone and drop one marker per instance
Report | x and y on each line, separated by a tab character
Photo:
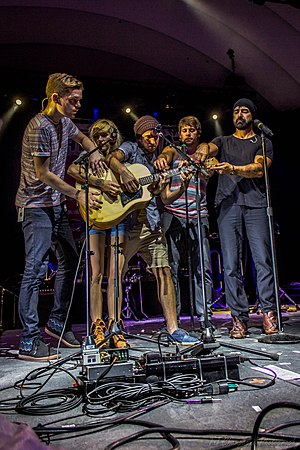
156	132
263	128
241	204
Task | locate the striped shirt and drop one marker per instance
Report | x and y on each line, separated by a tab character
43	138
178	207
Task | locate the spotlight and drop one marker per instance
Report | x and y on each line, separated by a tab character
215	116
128	110
7	116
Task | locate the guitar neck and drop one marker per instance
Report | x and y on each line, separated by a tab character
152	178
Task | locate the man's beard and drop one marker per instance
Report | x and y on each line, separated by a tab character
242	124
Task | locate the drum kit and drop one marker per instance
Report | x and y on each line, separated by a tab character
133	278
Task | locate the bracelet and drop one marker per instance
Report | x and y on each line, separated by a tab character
77	194
232	170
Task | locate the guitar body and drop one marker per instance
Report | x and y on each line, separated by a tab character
116	208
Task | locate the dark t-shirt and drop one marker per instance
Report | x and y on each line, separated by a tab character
239	152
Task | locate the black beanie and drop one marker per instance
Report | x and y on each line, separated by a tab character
248	103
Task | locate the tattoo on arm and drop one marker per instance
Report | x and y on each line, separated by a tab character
98	182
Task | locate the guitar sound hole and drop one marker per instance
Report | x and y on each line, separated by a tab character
127	197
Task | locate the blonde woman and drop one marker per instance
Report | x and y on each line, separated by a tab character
102	242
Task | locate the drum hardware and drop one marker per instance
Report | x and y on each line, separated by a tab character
14	314
131	278
127	311
47	286
217	278
282	294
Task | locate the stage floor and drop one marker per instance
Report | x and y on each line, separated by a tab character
222	421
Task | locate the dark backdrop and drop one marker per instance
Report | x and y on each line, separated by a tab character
110	98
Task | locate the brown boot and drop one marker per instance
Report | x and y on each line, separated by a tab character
270	322
239	329
117	340
98	329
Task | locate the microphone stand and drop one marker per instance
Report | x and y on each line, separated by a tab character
89	350
280	337
208	334
208	339
88	341
190	271
116	326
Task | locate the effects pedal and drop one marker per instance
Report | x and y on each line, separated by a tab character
100	365
208	368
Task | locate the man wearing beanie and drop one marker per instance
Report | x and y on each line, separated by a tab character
145	235
241	208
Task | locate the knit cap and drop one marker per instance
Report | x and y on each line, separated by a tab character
248	103
143	124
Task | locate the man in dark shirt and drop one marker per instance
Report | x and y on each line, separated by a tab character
242	209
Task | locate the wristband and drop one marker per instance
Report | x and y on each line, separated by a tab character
232	170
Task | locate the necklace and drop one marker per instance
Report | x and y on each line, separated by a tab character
244	137
56	124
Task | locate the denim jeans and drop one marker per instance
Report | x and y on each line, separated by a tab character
175	230
46	229
234	222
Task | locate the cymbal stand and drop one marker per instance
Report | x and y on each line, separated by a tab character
141	296
218	289
127	311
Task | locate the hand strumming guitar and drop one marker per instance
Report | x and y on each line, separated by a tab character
108	186
129	181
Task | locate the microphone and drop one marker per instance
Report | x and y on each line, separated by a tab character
157	131
263	128
114	134
85	155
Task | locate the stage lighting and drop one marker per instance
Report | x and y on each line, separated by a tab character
18	102
128	110
215	116
95	114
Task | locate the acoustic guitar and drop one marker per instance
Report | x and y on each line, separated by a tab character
116	208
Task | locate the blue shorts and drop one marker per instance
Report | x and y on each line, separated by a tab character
111	231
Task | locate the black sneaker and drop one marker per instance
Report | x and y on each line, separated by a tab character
68	338
39	352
